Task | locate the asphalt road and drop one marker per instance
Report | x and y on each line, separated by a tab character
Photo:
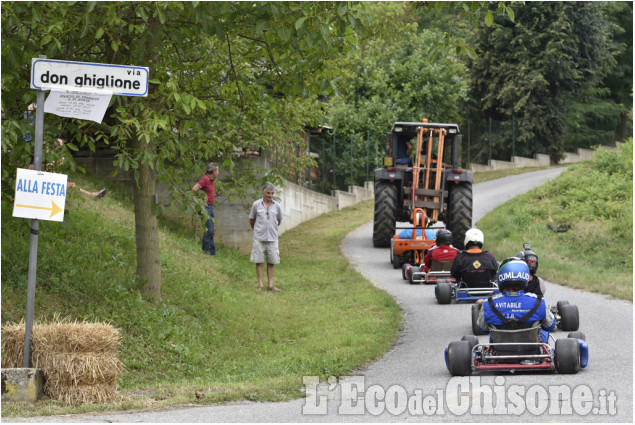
411	383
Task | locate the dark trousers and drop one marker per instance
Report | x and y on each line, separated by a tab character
208	238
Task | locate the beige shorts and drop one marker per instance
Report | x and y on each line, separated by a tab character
260	250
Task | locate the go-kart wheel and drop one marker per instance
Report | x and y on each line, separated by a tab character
577	335
471	339
411	274
569	317
567	356
460	358
404	271
396	262
392	254
475	329
559	305
444	293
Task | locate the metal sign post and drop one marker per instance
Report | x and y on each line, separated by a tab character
67	76
35	225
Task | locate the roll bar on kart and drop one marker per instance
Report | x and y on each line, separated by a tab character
416	245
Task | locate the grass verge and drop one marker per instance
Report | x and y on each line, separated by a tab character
594	199
213	337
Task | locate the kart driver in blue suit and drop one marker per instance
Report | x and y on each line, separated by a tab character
513	308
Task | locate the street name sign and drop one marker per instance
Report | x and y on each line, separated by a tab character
126	80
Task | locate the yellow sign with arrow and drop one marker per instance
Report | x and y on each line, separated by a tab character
40	195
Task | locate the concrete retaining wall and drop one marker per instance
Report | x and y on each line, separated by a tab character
299	204
579	156
540	160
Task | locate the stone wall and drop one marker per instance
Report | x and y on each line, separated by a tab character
298	203
539	160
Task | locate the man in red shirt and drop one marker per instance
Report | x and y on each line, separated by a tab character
443	251
206	183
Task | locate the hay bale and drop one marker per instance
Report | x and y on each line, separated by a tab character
86	394
12	346
77	337
70	369
79	360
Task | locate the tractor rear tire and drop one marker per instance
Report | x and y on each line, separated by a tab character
385	211
459	212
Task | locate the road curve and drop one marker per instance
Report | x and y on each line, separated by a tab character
414	372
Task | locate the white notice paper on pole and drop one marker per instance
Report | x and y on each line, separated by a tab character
86	106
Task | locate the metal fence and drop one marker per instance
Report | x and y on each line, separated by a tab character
345	162
351	161
488	139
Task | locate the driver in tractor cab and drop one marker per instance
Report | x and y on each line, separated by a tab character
536	285
513	308
443	251
404	150
474	266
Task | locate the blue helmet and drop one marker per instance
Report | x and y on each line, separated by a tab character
513	272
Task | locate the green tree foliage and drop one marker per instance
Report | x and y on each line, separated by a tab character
619	79
402	76
410	68
457	19
534	69
225	76
601	114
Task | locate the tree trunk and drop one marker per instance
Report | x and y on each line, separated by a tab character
148	253
622	129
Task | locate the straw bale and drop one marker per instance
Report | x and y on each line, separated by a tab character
12	346
79	360
69	337
85	394
77	337
69	369
63	337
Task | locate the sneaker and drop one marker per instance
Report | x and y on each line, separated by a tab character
101	193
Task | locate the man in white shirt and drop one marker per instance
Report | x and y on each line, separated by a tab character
264	219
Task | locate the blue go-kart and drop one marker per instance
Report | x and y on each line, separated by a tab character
446	290
566	315
517	350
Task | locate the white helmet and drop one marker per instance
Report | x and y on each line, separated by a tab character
474	237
